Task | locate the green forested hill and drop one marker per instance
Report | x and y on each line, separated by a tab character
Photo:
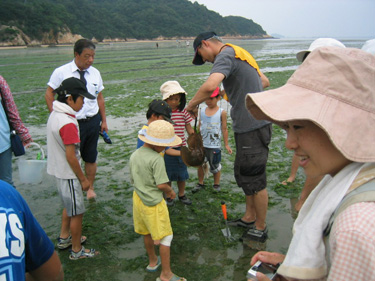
140	19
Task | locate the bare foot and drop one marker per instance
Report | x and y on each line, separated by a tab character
172	277
285	182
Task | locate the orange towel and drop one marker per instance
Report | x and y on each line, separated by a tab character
244	55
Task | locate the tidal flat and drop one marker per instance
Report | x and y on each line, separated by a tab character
132	74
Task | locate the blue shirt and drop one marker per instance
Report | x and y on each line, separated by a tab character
211	128
24	246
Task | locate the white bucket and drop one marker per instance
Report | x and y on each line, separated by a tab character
31	171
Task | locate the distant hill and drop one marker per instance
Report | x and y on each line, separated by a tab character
276	35
47	21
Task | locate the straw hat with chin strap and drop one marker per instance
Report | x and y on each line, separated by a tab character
160	133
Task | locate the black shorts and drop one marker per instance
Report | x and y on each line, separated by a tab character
251	159
89	135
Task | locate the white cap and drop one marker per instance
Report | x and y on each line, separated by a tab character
320	42
369	46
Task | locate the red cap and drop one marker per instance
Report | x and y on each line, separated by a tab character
215	93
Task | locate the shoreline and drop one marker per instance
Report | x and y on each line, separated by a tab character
130	40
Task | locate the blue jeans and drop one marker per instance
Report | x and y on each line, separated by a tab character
6	166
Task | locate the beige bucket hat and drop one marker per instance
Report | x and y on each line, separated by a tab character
171	88
160	133
334	88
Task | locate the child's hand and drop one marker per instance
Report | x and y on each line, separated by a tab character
171	194
85	184
228	149
156	242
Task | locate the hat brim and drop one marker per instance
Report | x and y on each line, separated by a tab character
177	141
292	102
169	120
87	95
215	93
197	60
78	93
301	55
166	96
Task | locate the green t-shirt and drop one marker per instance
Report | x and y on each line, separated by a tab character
147	170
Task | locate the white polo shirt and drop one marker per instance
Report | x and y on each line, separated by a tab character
94	86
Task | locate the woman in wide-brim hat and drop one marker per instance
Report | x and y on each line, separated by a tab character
327	108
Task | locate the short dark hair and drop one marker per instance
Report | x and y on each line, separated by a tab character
149	113
61	97
82	44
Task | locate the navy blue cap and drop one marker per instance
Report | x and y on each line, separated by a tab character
73	86
197	42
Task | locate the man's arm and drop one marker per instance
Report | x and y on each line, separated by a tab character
51	270
70	154
101	105
49	97
265	81
12	112
205	91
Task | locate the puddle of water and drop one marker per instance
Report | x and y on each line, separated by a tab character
279	69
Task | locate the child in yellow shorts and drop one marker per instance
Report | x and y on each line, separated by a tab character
150	180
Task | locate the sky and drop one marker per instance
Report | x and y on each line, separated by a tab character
304	18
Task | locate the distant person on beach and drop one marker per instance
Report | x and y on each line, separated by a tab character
26	251
327	109
63	163
9	111
175	96
212	126
91	118
150	180
310	182
238	71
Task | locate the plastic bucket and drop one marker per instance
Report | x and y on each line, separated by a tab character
31	171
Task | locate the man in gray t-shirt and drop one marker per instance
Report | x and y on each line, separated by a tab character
239	76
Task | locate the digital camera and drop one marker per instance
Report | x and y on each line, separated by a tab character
267	269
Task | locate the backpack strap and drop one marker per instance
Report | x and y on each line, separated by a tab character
363	193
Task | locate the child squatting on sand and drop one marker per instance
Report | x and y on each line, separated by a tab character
150	180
